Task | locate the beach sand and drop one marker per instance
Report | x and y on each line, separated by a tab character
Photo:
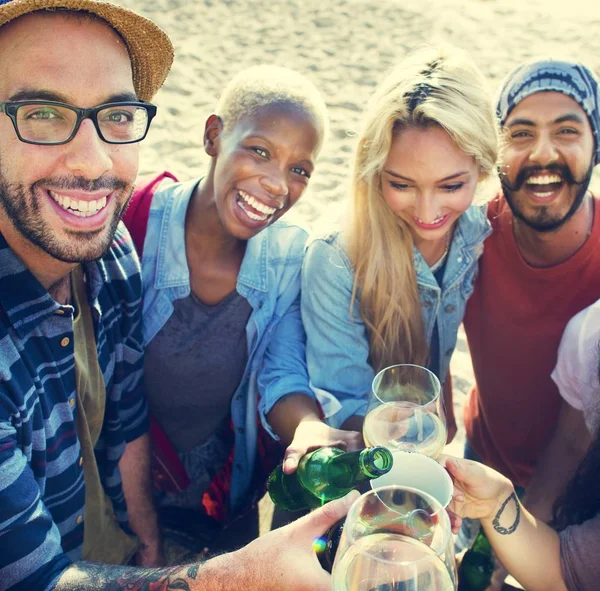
344	47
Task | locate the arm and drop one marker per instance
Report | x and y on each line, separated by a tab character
557	465
31	556
134	465
289	412
297	418
300	419
527	547
288	405
286	396
137	487
282	560
337	347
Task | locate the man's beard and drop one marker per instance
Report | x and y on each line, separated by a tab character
22	206
544	221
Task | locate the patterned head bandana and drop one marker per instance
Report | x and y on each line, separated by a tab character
542	75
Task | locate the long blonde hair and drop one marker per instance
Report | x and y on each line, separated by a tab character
432	87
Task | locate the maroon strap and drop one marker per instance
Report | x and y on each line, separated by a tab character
137	212
168	473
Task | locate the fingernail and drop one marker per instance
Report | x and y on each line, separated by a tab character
351	497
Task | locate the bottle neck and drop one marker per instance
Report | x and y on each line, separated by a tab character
363	464
375	461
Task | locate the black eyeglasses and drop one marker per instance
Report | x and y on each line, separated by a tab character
49	123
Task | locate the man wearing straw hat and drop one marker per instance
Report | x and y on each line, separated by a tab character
75	78
540	267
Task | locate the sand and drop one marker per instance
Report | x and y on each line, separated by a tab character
344	47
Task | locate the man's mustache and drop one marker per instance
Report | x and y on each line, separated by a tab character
527	171
78	183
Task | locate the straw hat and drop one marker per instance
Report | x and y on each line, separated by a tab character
150	49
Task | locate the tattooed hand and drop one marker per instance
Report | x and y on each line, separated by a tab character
282	560
479	491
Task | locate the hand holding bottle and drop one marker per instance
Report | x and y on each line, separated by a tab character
312	434
478	490
325	474
284	558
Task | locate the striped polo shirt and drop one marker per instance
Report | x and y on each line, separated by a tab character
41	478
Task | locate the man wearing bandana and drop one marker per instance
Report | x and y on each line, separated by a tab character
540	267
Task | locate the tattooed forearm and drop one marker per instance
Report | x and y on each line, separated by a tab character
88	576
496	523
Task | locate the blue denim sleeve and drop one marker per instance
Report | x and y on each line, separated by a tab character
284	367
337	346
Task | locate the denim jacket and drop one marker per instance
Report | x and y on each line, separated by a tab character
269	279
337	348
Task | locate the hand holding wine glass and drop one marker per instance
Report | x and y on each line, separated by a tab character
478	489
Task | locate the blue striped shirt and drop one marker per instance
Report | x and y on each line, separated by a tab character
41	481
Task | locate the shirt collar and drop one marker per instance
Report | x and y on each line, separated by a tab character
172	268
25	301
473	225
253	272
471	230
171	264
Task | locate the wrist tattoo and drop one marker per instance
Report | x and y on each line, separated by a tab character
496	523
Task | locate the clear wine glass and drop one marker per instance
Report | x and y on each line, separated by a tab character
405	411
395	539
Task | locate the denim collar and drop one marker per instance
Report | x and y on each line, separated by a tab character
171	266
171	262
253	272
472	228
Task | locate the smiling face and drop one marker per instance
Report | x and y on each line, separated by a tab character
547	163
261	166
428	181
65	200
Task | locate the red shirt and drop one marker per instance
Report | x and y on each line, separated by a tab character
514	322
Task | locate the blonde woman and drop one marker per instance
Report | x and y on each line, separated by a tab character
391	286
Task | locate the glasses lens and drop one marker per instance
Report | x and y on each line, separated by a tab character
45	124
123	123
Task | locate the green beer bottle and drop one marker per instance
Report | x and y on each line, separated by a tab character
326	474
477	566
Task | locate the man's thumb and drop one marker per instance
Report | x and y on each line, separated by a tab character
320	520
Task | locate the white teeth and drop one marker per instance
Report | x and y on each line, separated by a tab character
79	207
256	204
545	179
253	216
437	220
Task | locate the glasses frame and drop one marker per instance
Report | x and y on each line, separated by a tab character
10	110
